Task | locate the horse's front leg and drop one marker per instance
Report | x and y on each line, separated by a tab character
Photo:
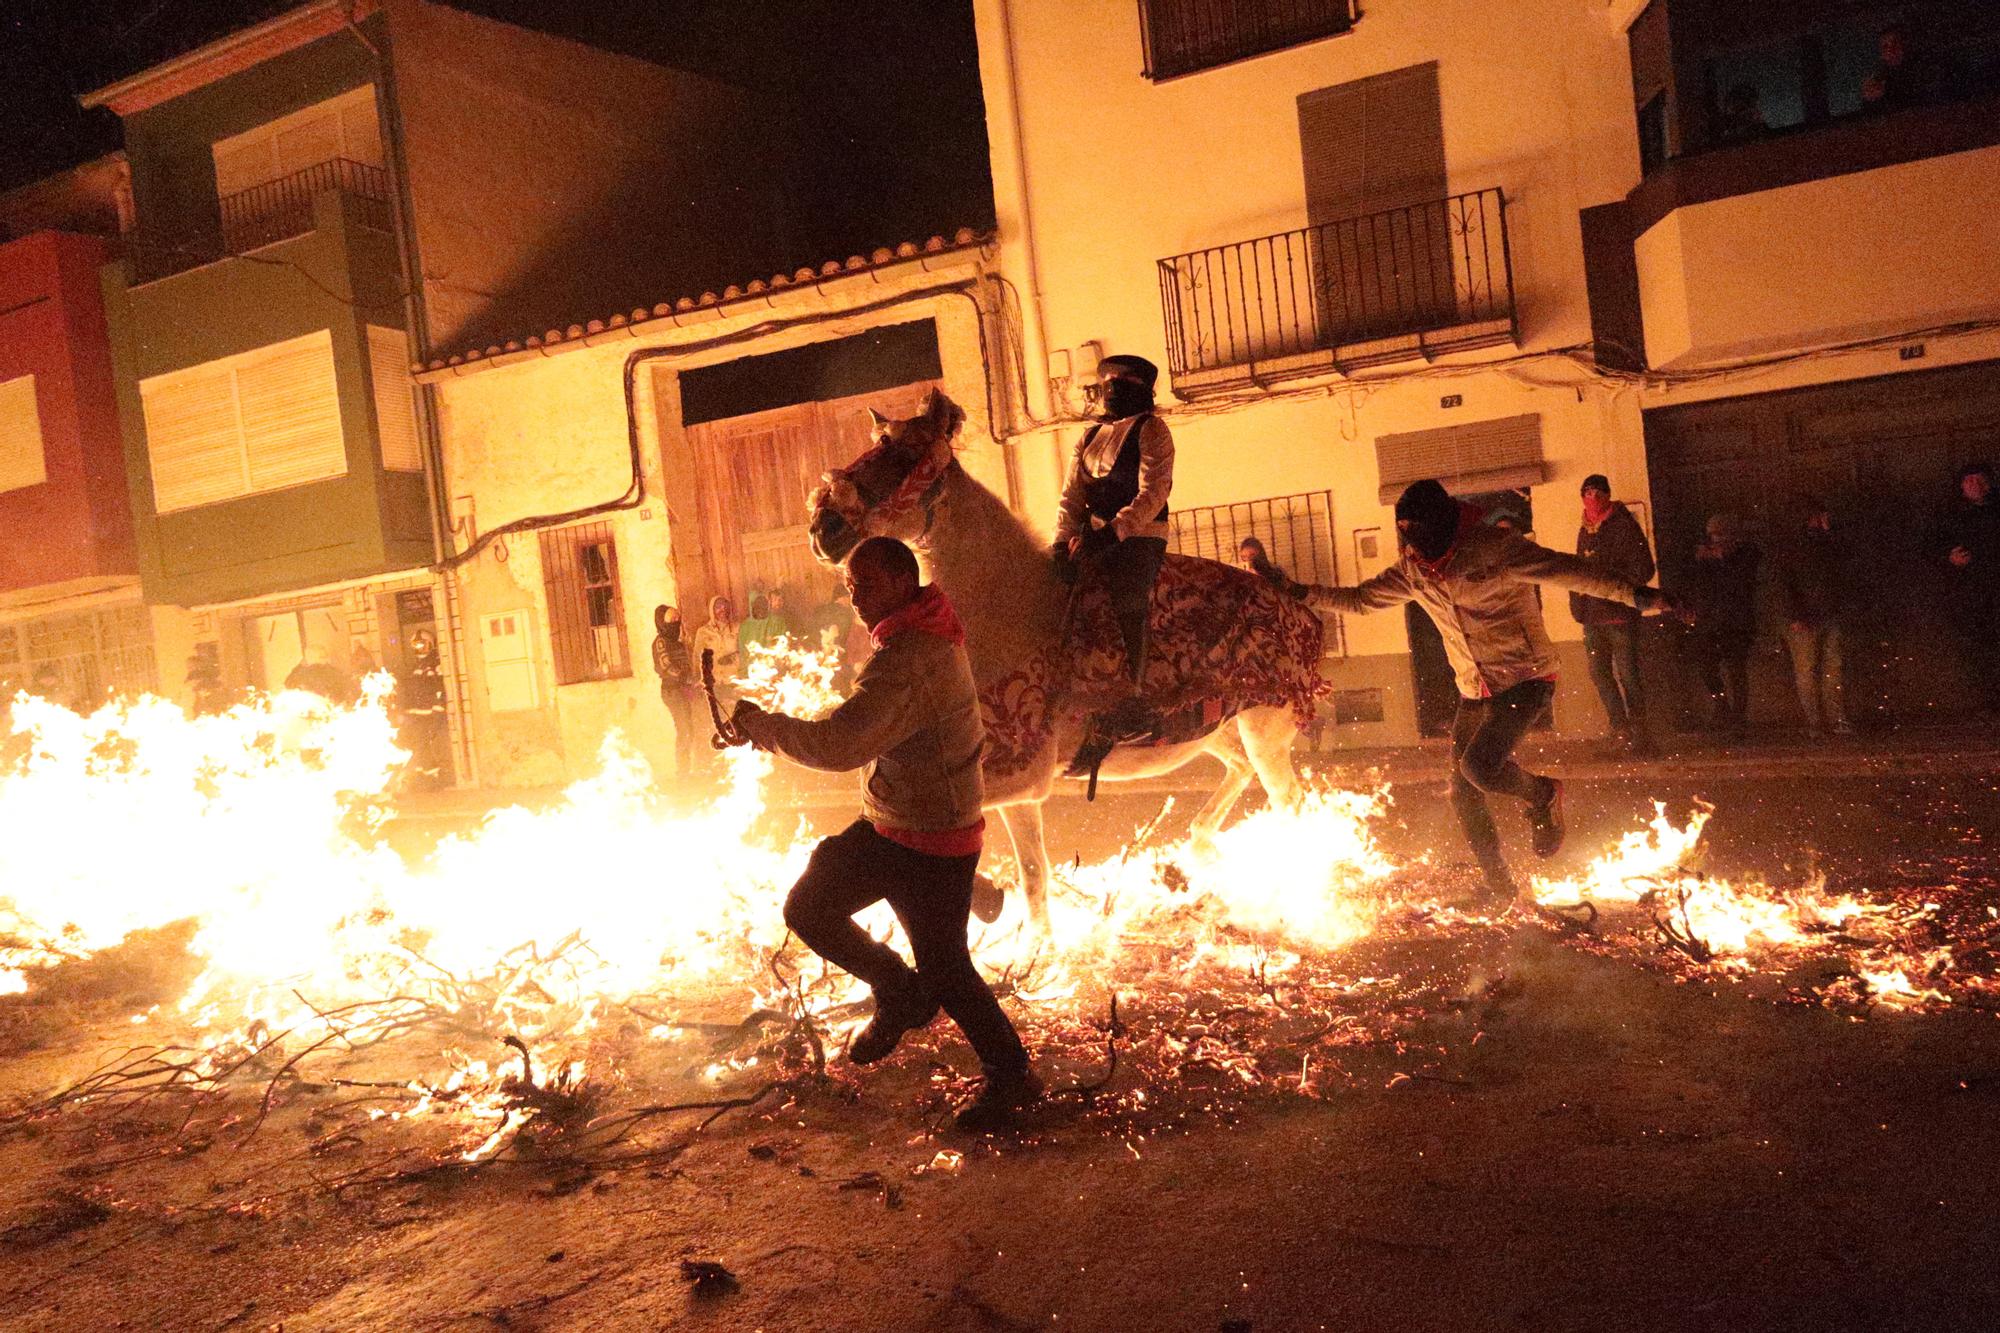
1031	853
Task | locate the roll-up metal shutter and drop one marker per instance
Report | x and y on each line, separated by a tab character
290	404
260	421
193	438
1484	456
395	409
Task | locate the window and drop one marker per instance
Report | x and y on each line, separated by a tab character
260	421
1296	532
586	612
1484	456
345	127
395	406
22	462
1182	36
507	641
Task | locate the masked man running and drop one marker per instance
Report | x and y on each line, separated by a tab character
1114	517
1476	582
913	721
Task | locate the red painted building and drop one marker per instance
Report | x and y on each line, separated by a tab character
74	520
72	625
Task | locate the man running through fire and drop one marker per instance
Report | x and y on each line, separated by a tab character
1476	582
913	721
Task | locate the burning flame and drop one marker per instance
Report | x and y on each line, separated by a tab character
261	827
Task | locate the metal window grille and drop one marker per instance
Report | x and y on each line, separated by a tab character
1182	36
586	609
1296	530
1334	296
81	659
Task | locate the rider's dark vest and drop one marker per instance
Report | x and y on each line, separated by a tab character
1105	496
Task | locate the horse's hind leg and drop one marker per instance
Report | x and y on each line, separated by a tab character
1267	737
1031	853
1237	772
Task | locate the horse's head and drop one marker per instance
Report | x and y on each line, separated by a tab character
891	489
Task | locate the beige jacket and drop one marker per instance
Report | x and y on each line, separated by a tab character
1481	596
1142	517
913	720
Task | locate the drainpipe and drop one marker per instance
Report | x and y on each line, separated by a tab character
417	326
1011	198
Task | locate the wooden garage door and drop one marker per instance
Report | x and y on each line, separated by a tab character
753	476
1882	453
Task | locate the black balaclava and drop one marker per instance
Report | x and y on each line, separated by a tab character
1432	515
670	630
1123	398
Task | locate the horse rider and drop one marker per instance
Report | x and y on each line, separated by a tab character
1114	518
913	721
1476	582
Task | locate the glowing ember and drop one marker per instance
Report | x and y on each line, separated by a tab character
1659	866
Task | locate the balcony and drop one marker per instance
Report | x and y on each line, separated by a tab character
1400	284
277	210
1182	36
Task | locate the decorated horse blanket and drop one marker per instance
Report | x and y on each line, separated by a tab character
1223	640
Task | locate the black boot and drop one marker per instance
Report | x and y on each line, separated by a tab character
1132	628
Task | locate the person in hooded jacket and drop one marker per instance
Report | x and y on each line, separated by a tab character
1477	584
1113	519
1611	537
678	683
912	726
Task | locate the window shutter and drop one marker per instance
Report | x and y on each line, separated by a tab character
192	438
1484	456
395	408
256	422
22	460
291	414
1372	144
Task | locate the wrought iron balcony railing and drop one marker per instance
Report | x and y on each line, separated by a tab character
1412	281
265	214
1182	36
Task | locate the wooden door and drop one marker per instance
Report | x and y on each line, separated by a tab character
754	475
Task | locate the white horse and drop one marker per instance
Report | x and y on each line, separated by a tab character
1225	643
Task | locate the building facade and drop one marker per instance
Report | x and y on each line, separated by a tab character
1369	244
664	457
318	201
74	625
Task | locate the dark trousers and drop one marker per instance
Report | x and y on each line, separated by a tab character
1613	651
1725	674
1976	623
1483	737
680	706
932	897
1129	568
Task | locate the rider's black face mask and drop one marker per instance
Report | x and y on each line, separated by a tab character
1126	398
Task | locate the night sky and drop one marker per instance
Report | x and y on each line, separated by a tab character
887	90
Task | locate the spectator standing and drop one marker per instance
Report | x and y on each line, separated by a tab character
1725	605
1970	548
1901	78
677	683
1251	556
718	636
1611	538
426	730
1814	584
759	629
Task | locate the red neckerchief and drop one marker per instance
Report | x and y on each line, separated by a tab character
929	612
